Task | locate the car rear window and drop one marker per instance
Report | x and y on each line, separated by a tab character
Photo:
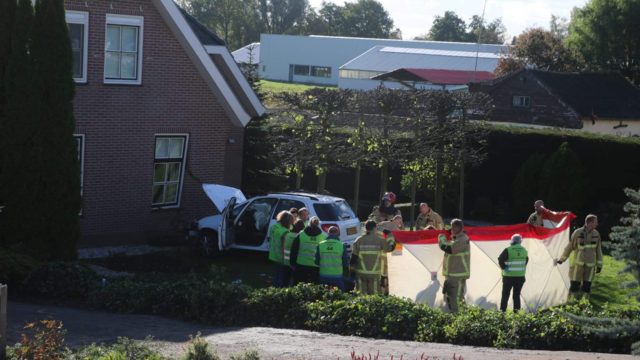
335	211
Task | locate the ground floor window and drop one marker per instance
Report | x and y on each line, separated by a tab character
168	169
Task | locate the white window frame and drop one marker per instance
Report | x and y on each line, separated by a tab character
523	101
182	169
82	18
125	20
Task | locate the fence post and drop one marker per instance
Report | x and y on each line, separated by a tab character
3	322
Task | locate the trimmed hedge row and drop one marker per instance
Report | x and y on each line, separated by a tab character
208	299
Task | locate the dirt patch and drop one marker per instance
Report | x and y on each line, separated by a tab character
170	336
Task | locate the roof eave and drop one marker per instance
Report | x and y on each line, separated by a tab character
196	52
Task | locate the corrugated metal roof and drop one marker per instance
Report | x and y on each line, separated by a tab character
439	52
247	54
375	59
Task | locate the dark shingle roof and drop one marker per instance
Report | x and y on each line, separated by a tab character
607	95
206	36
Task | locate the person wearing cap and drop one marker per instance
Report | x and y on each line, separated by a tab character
365	259
455	265
332	259
278	234
428	217
303	252
586	245
386	210
513	262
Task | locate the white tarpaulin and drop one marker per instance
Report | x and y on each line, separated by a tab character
415	267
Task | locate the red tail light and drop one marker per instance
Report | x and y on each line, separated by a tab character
325	227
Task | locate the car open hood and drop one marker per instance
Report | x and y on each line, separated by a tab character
220	195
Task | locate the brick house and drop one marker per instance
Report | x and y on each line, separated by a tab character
160	107
605	103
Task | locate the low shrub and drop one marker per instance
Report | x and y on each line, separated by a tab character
62	281
15	267
198	349
124	348
42	340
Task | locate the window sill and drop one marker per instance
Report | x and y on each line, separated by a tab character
122	82
168	207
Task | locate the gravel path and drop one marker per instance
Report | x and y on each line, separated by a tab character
84	327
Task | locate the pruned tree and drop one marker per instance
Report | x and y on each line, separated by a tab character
324	106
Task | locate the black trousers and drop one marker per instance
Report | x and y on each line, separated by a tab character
509	283
305	274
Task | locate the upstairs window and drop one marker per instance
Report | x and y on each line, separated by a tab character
168	170
123	50
78	24
521	101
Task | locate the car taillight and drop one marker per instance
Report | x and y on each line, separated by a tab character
325	227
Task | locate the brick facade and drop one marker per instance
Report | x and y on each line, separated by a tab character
119	123
544	108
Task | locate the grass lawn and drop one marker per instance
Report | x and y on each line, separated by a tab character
606	287
277	87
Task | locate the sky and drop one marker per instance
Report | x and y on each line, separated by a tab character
414	17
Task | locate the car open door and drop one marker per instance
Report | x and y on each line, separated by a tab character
226	231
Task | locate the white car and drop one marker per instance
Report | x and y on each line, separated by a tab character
244	224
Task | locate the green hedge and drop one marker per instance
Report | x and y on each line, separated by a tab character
208	299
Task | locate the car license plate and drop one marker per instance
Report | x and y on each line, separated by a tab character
352	230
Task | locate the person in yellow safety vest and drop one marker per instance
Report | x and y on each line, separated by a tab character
456	264
513	262
428	217
394	225
587	258
365	258
332	259
303	253
278	234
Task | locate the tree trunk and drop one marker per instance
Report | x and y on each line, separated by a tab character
384	179
414	186
461	204
356	188
298	178
439	193
322	182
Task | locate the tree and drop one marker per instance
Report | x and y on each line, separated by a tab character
280	16
604	33
55	220
449	27
559	27
625	246
540	49
491	33
366	18
18	125
526	185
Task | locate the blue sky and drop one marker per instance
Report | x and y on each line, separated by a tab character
414	17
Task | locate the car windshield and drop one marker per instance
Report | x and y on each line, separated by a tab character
335	211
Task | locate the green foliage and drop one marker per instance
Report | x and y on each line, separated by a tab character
603	34
247	355
15	266
526	185
554	188
625	238
123	349
198	349
612	289
451	27
54	218
61	281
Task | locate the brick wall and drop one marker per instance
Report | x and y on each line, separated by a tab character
119	123
544	108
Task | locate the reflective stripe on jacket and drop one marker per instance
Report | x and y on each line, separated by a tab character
587	246
457	263
331	252
276	233
308	247
516	264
